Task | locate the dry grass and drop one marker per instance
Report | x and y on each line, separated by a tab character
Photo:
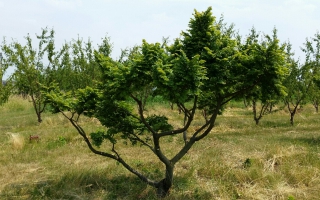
238	160
16	141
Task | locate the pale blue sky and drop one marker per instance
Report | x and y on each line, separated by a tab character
127	22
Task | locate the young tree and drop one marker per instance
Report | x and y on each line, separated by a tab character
314	93
5	85
266	52
262	104
31	67
297	83
75	66
204	69
312	51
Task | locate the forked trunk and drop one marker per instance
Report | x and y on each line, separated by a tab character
254	109
165	184
291	118
37	107
39	117
316	105
257	120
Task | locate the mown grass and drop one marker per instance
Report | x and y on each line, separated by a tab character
238	160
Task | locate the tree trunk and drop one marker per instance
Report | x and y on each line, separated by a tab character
254	110
165	184
291	118
316	107
270	107
36	106
39	117
257	120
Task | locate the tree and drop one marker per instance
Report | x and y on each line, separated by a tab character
205	69
297	83
312	60
5	85
75	67
266	52
314	93
31	69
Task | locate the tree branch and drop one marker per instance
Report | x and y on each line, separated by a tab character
157	149
135	136
140	109
187	124
116	157
208	125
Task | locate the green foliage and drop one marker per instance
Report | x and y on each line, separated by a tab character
75	66
312	65
291	198
159	123
179	74
5	91
58	142
106	47
99	136
5	85
233	68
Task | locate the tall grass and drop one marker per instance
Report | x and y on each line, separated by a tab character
238	160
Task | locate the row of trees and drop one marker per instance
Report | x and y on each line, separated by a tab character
72	67
300	85
210	65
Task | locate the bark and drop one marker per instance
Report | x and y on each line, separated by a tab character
163	187
37	108
292	111
39	117
292	117
315	105
270	107
254	110
205	115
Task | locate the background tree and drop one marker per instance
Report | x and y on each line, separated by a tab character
31	67
205	69
312	60
5	85
297	83
75	67
266	52
314	94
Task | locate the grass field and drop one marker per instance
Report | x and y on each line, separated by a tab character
238	160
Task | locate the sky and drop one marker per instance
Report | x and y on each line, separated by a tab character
127	22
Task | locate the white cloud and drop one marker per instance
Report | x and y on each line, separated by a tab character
161	17
65	4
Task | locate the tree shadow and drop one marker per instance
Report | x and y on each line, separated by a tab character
95	185
274	123
310	141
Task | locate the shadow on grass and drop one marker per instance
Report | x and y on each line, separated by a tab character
95	185
310	141
274	123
